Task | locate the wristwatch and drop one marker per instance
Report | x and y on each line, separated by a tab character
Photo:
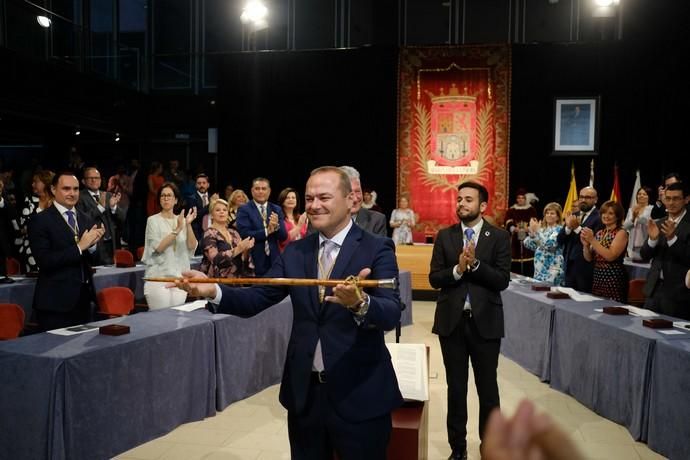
362	307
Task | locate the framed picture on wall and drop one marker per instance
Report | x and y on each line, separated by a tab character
576	126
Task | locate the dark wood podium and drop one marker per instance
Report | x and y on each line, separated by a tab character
409	439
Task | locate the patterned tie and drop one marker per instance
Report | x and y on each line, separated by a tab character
326	261
97	197
262	210
204	199
469	234
71	221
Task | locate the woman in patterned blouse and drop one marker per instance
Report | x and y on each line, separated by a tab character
548	255
226	254
40	199
607	249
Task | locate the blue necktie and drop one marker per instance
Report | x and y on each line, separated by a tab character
469	234
71	221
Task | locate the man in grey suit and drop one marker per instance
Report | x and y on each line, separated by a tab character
102	208
371	221
470	264
668	246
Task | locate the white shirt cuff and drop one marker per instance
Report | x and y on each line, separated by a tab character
455	273
670	242
652	243
218	297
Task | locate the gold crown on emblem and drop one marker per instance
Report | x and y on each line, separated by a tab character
452	96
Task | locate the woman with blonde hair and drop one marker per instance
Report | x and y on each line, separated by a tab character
40	199
237	199
170	243
542	239
226	254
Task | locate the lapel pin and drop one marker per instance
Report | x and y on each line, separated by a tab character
486	233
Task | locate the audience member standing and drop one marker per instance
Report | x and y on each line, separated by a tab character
295	223
40	199
668	247
470	264
606	248
371	221
226	254
63	240
264	222
201	199
170	243
518	217
403	222
542	238
102	207
578	271
155	180
6	235
659	209
237	199
636	222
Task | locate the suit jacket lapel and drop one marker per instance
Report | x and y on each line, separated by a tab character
347	250
311	255
483	238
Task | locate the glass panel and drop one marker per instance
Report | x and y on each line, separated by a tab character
222	27
102	40
23	32
171	22
65	40
314	24
132	41
427	22
171	72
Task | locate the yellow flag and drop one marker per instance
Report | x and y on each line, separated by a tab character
572	191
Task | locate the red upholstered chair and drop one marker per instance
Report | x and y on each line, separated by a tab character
140	252
11	320
115	301
636	296
13	266
123	258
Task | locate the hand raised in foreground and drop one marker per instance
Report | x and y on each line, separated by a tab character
207	290
526	436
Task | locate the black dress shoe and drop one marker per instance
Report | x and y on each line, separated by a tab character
458	455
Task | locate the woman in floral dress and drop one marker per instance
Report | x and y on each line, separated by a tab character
542	239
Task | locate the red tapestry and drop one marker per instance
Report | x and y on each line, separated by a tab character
453	127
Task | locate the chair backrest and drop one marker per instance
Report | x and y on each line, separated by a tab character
115	300
13	266
140	252
635	292
124	258
11	320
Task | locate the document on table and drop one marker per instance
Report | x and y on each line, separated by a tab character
643	312
411	369
682	324
578	297
191	306
74	330
670	332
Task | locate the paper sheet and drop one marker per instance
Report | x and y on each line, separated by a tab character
578	297
191	306
670	332
74	330
411	369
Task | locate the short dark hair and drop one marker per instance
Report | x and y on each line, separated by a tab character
672	175
201	176
56	177
649	191
282	196
483	193
678	186
261	179
176	192
617	210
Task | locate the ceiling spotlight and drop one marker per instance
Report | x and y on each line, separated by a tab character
43	21
77	132
605	2
117	137
255	14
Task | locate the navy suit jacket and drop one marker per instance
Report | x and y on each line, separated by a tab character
484	285
61	266
249	224
361	381
110	221
372	221
578	272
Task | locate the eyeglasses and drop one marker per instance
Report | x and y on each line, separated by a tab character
167	195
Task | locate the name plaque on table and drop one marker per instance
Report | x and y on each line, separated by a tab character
541	287
615	311
657	323
114	329
557	295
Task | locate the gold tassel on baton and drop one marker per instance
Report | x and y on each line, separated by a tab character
359	283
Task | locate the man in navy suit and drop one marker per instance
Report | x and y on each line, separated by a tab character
338	385
470	264
579	272
200	200
102	208
63	240
265	222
